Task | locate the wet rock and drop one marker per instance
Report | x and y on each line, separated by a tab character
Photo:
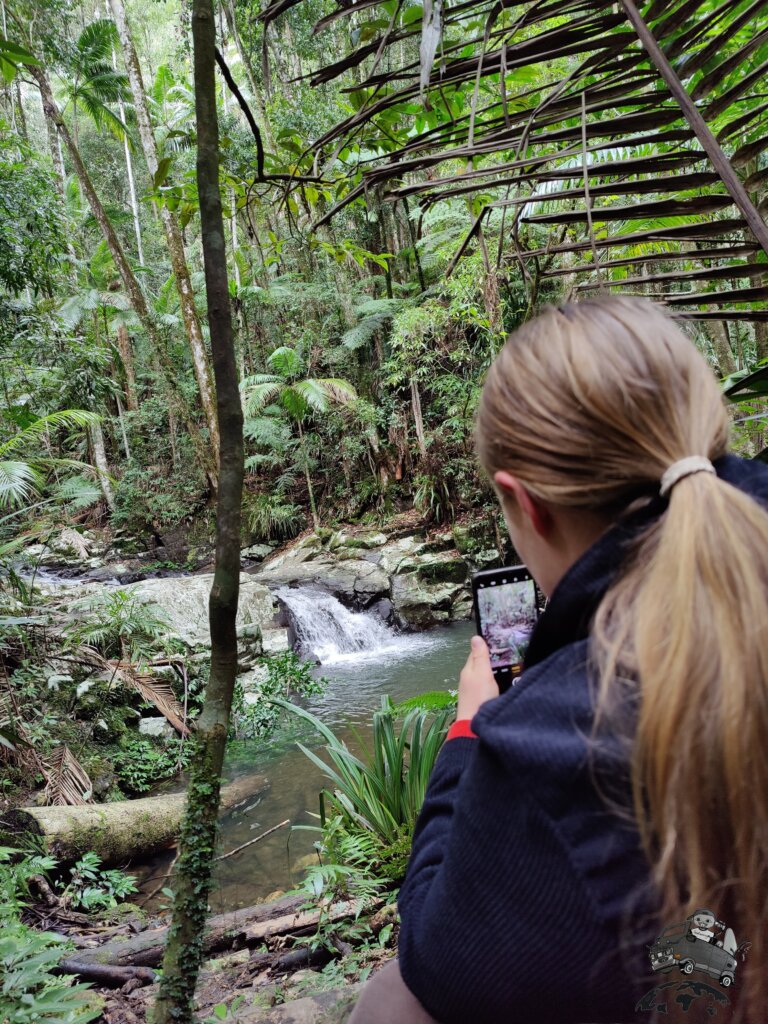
58	680
418	604
437	542
487	559
358	580
384	609
252	680
276	641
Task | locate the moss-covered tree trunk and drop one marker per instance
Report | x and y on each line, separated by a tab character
192	880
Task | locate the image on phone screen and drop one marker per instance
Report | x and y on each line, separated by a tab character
507	614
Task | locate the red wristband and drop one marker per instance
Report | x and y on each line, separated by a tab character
462	727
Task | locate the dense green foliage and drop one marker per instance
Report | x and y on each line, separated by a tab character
29	989
361	340
369	811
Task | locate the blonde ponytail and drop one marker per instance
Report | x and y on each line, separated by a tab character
588	405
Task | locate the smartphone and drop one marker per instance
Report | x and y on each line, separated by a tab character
506	603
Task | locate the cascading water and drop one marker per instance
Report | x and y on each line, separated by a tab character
328	631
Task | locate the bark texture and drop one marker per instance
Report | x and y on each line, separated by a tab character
125	349
171	227
238	929
192	881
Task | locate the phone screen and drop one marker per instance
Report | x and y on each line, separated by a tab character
508	613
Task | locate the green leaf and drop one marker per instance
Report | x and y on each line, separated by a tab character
162	171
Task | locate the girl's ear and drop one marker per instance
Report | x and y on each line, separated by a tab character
532	508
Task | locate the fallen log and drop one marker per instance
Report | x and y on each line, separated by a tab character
117	832
238	929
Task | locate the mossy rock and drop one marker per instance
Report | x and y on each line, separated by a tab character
367	540
444	570
438	542
469	538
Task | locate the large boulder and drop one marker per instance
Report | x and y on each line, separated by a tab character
183	601
418	605
411	579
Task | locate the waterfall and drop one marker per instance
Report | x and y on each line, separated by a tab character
328	631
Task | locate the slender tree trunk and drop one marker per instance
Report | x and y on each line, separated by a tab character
192	881
21	117
310	488
123	431
55	151
126	358
172	439
132	188
171	227
127	276
100	459
418	420
721	344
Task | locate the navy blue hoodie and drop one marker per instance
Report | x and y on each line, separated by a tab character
527	900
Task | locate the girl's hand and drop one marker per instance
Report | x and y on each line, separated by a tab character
476	682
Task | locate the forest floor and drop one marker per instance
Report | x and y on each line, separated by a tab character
265	963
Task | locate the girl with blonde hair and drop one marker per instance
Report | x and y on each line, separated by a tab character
622	782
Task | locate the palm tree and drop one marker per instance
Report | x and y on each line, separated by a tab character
94	83
299	395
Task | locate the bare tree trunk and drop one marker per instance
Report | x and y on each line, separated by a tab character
58	163
721	344
100	459
127	276
126	358
132	187
418	420
171	226
310	488
192	881
123	431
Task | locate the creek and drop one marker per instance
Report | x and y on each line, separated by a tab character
363	659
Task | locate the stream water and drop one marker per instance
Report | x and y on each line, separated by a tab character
364	659
401	666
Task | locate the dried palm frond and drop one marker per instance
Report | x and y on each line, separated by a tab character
154	691
75	541
67	781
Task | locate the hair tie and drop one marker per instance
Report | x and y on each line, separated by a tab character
682	468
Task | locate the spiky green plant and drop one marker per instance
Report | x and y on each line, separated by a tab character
384	792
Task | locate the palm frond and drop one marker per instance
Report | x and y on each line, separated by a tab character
366	329
64	418
19	482
286	361
66	780
97	41
258	394
338	390
78	493
154	691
